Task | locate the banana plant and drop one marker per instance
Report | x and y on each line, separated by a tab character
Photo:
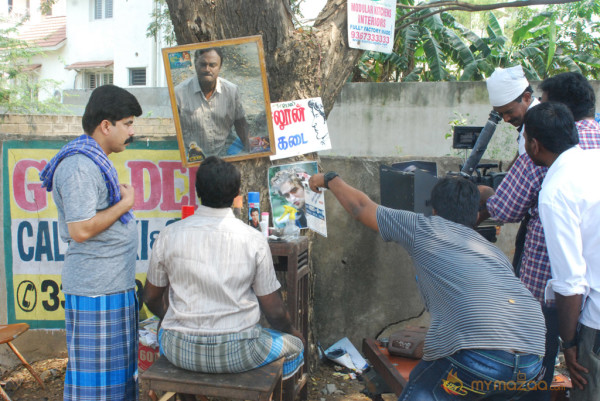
438	48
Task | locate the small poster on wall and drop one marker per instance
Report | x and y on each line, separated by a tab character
371	24
292	199
299	127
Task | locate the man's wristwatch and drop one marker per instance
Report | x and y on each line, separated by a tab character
328	177
568	344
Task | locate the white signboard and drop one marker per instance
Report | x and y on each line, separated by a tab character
299	127
371	24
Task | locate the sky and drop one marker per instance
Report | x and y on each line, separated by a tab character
311	8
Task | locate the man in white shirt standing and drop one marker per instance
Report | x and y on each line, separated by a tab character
569	205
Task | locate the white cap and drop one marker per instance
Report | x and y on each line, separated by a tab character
505	85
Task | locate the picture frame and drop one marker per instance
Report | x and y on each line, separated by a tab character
220	109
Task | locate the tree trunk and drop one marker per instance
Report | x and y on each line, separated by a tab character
300	63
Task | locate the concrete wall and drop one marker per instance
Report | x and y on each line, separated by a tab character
384	119
26	127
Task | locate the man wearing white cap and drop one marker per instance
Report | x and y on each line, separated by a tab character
515	201
511	96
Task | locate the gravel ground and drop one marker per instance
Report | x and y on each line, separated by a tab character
21	386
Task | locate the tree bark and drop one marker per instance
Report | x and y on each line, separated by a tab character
300	63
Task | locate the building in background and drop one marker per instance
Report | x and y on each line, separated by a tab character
88	43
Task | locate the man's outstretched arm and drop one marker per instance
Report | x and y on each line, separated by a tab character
356	202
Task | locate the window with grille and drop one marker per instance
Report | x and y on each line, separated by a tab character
103	9
137	77
93	80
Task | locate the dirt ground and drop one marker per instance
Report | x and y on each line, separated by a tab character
21	386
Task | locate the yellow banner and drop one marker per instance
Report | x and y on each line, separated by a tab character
39	297
161	183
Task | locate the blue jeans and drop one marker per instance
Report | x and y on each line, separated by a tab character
473	375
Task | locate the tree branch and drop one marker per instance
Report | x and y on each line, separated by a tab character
485	7
444	6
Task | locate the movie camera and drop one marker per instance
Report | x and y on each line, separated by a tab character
408	185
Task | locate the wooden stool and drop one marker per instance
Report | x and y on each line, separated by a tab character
257	384
9	332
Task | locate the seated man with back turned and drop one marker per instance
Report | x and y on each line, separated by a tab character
220	276
477	346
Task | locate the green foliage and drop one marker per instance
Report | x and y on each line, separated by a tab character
161	25
502	146
439	48
20	90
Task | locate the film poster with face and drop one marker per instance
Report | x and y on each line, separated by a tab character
290	194
299	127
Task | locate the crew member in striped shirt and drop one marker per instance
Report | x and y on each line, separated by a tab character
478	344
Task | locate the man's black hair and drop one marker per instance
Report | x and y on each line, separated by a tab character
520	98
574	90
217	183
552	124
456	199
217	50
109	102
254	209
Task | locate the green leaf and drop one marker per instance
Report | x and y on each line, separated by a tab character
413	76
493	28
433	23
469	71
525	31
434	57
551	47
464	53
587	59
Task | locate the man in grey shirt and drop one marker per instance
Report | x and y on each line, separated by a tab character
98	277
209	106
486	337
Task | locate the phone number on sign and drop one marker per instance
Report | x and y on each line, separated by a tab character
370	37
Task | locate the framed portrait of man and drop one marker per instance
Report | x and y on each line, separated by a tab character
220	99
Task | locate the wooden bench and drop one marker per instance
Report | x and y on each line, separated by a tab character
394	370
257	384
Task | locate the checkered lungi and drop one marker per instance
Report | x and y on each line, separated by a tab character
102	342
232	353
